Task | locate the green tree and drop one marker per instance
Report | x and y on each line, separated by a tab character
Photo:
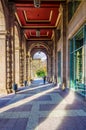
40	73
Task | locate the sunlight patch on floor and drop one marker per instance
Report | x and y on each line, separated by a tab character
57	115
26	100
41	86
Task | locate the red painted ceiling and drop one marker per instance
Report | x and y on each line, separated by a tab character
32	19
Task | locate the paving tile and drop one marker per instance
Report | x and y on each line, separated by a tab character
28	92
21	108
13	124
47	107
44	98
20	124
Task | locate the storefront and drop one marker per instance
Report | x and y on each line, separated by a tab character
78	61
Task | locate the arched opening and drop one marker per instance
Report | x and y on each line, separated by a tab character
35	50
39	65
2	50
40	55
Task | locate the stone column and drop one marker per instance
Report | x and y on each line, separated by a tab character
21	59
29	69
53	61
55	53
64	45
21	69
55	57
3	63
25	61
9	63
49	67
10	49
12	39
17	66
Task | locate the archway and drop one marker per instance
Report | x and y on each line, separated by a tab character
41	47
39	64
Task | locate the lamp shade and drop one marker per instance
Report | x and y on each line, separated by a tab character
37	3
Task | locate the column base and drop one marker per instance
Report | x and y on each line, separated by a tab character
3	91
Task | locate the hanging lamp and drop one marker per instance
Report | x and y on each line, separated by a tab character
37	3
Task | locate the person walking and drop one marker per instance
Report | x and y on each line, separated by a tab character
44	79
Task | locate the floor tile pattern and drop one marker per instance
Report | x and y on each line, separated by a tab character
42	107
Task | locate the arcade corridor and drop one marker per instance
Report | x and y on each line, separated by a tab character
57	29
42	107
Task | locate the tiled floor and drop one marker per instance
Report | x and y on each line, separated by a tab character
42	107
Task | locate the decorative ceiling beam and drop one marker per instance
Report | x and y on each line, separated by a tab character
39	39
41	27
26	6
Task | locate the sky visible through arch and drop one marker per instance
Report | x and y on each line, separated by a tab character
40	55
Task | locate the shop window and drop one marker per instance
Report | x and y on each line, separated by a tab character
77	61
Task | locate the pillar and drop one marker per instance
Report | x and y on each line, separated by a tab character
64	45
10	69
3	63
49	67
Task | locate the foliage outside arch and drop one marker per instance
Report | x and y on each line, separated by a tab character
41	73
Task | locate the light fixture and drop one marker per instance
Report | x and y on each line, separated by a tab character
36	3
37	33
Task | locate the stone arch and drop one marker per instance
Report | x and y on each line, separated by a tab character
33	51
46	49
39	62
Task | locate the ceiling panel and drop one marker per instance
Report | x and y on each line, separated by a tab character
31	19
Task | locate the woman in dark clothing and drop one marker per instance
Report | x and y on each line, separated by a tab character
44	79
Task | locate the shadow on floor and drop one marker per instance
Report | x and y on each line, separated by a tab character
42	106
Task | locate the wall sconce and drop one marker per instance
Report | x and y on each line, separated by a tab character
36	3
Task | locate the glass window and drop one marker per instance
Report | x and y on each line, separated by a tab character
79	39
77	61
71	45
